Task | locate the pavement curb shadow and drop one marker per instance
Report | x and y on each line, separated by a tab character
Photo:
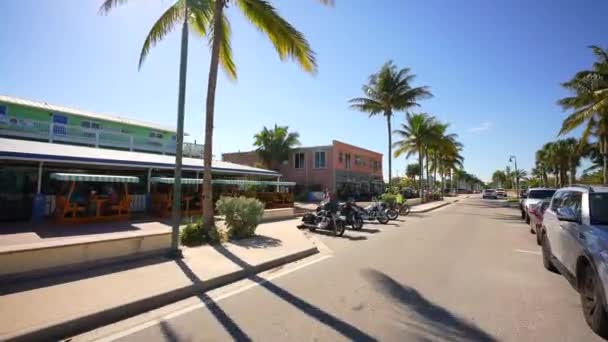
59	330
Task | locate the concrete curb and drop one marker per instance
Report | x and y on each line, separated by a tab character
433	208
55	331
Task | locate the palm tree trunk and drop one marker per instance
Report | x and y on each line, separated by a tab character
421	165
212	84
572	172
388	115
435	171
556	173
176	208
428	175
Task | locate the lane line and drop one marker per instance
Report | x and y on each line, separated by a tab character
153	322
529	252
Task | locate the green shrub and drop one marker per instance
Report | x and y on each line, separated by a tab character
301	197
242	215
195	234
388	198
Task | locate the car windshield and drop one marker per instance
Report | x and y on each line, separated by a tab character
539	194
598	208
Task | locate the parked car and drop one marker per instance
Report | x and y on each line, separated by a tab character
574	240
535	195
537	212
489	193
500	192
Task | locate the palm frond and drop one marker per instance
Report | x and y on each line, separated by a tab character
288	42
226	60
107	6
165	24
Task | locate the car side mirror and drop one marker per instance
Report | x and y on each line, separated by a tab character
567	214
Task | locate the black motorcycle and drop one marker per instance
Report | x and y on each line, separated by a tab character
373	212
353	217
327	217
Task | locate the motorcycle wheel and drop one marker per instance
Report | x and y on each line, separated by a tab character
382	219
392	214
312	228
339	228
404	210
357	222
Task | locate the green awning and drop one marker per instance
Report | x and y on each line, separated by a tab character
83	177
170	180
250	182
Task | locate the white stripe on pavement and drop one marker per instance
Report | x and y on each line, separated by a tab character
529	252
193	307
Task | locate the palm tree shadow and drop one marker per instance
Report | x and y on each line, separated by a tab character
347	330
428	318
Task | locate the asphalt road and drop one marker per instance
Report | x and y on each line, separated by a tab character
470	271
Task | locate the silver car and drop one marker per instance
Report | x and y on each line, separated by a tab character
533	197
574	240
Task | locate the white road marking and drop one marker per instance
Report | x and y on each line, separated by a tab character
193	307
529	252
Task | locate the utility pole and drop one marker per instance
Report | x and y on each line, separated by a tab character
514	160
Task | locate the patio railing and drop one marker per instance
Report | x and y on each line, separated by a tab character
54	132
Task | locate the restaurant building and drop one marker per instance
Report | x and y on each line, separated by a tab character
42	146
344	169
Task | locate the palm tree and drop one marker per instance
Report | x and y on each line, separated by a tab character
288	42
197	14
412	170
275	144
499	178
389	91
590	103
415	133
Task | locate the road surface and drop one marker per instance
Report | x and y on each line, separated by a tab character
470	271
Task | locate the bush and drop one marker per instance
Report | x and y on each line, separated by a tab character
301	197
242	215
388	198
195	234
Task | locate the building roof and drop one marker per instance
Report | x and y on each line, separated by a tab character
61	109
59	153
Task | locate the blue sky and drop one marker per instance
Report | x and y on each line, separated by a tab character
493	66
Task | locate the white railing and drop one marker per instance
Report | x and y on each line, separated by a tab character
54	132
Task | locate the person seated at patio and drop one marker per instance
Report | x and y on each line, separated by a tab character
113	199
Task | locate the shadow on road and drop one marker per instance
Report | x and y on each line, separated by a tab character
426	318
345	236
345	329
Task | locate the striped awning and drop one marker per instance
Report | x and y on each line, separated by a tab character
250	182
83	177
170	180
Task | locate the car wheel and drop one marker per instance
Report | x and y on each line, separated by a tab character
592	301
538	235
547	256
528	219
523	214
532	230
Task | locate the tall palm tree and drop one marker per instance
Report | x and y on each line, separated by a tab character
499	178
288	42
275	144
386	92
195	13
589	103
415	133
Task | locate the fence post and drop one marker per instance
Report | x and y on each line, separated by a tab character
130	143
51	132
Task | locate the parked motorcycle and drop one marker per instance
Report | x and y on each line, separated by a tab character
327	217
352	215
373	212
394	210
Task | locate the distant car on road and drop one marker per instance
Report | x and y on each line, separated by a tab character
535	195
489	193
500	192
537	212
574	240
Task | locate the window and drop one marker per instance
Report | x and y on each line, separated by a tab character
572	200
340	157
3	110
155	135
540	194
319	160
298	160
598	208
347	161
85	124
557	200
60	119
357	160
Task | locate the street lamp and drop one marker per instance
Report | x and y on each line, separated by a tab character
514	160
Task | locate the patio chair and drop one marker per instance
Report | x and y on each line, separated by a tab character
64	208
123	207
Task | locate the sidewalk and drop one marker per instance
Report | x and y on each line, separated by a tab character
58	307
